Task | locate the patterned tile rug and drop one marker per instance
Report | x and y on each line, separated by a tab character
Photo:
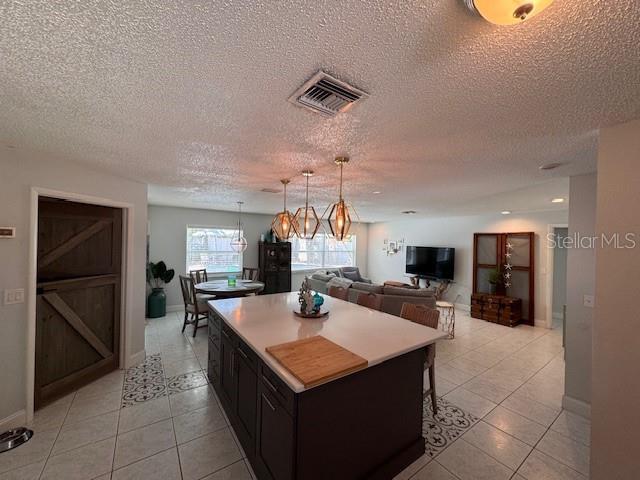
441	430
186	381
144	382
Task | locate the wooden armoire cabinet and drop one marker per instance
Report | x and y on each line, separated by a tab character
275	267
512	253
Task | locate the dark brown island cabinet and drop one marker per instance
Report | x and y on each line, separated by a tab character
367	425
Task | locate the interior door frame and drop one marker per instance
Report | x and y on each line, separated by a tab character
126	287
551	230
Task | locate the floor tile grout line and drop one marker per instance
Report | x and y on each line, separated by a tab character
57	435
481	419
115	443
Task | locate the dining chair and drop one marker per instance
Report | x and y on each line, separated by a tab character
429	318
340	293
369	300
193	305
249	273
199	276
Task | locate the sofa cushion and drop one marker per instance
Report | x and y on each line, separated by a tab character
322	276
339	282
367	287
408	292
351	275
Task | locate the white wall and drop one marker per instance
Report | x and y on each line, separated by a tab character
559	274
19	172
168	226
580	282
458	232
168	237
615	434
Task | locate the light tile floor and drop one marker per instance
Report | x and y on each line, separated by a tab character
511	379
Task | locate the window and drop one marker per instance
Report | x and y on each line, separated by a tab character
210	248
322	252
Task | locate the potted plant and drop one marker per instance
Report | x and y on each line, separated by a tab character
495	280
157	277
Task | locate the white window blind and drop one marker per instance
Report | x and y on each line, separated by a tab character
210	248
322	252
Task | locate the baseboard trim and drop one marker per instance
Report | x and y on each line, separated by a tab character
463	307
175	308
540	323
136	358
576	406
18	419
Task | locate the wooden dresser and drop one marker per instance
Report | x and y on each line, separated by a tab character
496	308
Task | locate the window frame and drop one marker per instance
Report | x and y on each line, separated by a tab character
324	266
216	227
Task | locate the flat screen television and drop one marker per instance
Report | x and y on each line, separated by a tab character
436	263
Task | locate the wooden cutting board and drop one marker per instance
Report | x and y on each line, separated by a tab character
316	360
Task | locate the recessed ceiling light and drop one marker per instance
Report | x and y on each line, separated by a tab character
376	192
550	166
506	212
409	212
557	200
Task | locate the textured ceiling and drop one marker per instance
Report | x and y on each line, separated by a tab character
192	96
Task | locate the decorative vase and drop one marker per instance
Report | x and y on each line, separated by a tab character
157	303
317	302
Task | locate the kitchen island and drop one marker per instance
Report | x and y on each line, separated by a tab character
365	424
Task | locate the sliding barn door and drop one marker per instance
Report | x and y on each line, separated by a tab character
78	301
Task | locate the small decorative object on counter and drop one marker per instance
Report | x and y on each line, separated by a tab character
318	300
310	303
231	280
305	298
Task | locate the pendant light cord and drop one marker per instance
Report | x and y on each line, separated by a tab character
341	165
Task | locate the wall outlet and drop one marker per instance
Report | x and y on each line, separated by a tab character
14	296
589	301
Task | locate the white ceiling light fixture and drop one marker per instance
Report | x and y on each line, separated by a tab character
506	212
507	12
557	200
239	243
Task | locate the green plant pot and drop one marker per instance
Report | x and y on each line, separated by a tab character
157	303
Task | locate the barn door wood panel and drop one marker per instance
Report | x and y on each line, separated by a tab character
78	301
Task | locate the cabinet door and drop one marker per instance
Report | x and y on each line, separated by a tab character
247	401
228	371
275	437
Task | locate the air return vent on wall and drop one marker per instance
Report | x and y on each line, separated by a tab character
326	95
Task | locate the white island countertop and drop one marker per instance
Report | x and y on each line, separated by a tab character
267	320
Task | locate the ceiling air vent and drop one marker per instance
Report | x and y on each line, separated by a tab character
327	95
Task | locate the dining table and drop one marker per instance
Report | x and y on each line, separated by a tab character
222	289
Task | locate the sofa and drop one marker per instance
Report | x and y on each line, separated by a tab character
392	296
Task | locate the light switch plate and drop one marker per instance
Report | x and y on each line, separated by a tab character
589	301
13	296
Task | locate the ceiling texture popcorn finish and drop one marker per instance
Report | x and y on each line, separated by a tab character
191	97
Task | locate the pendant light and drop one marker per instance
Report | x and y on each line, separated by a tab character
339	217
284	224
507	12
239	243
306	217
